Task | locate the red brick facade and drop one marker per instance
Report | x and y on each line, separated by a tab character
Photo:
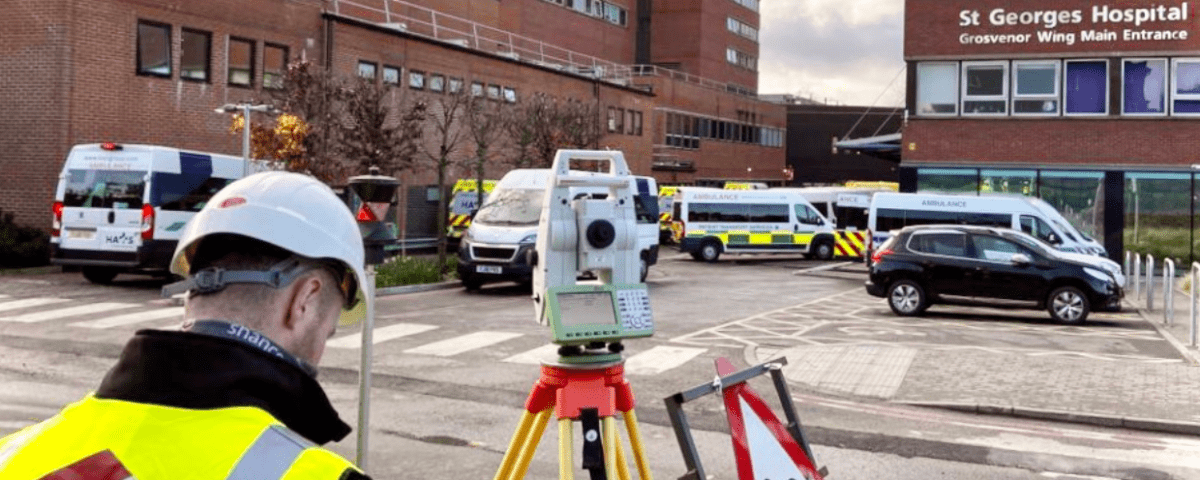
1019	30
69	73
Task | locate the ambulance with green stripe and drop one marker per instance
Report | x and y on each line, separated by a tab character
709	222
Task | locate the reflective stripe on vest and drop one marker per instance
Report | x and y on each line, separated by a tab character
270	456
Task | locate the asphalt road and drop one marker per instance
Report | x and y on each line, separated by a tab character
453	368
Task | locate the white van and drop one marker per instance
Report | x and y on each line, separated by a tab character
845	207
893	211
121	208
710	222
504	230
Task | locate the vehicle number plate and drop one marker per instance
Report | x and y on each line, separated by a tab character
81	234
489	269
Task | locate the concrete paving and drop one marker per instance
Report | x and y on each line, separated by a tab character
1143	393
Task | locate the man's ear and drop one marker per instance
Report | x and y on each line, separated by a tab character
304	300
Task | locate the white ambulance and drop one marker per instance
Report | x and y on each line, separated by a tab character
121	208
709	222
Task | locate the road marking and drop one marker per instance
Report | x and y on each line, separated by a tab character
67	312
132	318
390	332
464	343
29	302
822	268
544	353
660	359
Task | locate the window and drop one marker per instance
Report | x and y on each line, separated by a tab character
183	192
1145	87
493	92
241	62
768	213
510	95
1185	86
275	58
737	26
1085	87
391	75
437	83
1036	227
476	89
637	123
806	215
614	14
1035	87
628	122
951	244
751	4
104	188
416	79
741	59
984	88
366	70
193	60
154	49
995	249
612	120
456	85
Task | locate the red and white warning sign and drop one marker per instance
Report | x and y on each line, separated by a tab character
372	211
762	445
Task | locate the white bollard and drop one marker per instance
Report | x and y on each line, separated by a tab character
1195	280
1168	291
1149	283
1128	260
1137	278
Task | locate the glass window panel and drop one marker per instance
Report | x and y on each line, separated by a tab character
1023	182
1078	196
493	92
1086	87
950	180
1157	215
456	85
154	49
937	88
985	80
391	75
194	58
510	95
366	70
1187	77
416	79
241	62
274	65
1145	86
476	89
437	82
1036	79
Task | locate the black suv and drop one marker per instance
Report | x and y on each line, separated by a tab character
963	264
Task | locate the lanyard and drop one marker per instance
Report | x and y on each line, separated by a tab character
232	331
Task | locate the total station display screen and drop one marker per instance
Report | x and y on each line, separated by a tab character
586	308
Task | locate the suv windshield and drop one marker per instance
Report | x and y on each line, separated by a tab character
512	207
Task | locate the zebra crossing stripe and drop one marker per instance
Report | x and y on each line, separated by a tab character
30	302
464	343
132	318
660	359
544	353
67	312
378	335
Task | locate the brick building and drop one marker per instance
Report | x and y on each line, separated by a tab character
1093	106
674	80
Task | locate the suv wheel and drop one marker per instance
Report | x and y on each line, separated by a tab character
1068	305
710	251
907	298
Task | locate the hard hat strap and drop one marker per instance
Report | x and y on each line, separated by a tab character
215	279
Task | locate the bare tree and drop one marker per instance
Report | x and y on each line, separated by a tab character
444	134
378	129
485	122
310	93
542	125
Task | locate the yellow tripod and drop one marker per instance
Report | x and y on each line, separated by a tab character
592	394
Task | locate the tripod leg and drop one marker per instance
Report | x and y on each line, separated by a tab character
622	464
514	446
611	447
529	445
566	469
635	444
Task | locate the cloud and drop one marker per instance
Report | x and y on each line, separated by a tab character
843	51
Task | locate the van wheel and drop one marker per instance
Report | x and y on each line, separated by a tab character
1068	305
824	249
710	251
645	268
100	275
907	298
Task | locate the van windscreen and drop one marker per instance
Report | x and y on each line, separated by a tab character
512	207
104	188
184	193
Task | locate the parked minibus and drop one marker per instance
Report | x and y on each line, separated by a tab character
710	222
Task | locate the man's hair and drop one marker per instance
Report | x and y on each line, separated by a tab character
238	252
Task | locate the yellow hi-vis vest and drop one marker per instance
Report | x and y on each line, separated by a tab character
154	442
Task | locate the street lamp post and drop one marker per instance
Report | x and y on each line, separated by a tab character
245	108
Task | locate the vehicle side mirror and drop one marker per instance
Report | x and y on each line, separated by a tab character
1020	259
1053	238
474	212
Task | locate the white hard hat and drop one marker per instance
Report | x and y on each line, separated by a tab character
291	211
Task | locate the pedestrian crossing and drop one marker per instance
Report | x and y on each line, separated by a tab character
423	339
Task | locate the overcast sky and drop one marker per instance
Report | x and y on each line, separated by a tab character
841	51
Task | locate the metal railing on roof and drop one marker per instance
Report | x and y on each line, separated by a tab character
429	23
